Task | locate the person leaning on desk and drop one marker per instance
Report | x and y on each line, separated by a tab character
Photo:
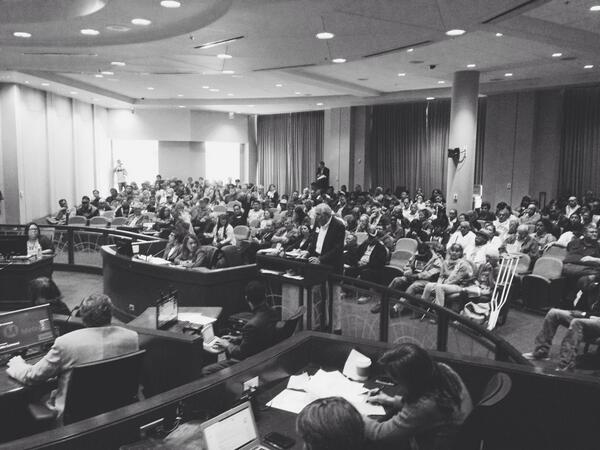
99	340
37	245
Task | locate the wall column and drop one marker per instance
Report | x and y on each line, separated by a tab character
9	164
336	146
463	132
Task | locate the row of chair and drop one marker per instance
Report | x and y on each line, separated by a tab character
97	222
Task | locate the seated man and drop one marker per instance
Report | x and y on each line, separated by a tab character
99	340
463	236
62	216
257	334
369	260
579	324
581	266
86	209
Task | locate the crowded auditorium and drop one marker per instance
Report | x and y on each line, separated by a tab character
321	225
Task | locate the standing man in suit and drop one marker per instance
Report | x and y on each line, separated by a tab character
322	177
99	340
328	249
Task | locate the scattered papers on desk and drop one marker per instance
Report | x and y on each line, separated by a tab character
153	260
354	358
268	251
303	389
195	318
272	272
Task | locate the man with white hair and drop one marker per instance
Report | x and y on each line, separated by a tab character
463	236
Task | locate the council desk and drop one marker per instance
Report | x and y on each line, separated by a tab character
15	276
559	411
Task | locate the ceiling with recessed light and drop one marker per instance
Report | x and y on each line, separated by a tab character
264	56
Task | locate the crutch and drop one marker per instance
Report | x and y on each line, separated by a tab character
506	273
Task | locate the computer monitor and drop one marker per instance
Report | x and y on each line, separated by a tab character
25	328
167	311
13	245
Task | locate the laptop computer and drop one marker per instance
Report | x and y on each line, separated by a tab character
27	331
233	430
167	311
209	339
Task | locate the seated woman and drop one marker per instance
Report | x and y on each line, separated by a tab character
188	256
44	290
175	242
434	402
302	239
37	245
223	232
331	423
455	271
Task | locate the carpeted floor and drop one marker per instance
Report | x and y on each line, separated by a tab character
519	330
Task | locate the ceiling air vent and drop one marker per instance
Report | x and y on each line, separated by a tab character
397	49
510	12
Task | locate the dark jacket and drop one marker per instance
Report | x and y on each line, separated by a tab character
258	334
378	255
332	252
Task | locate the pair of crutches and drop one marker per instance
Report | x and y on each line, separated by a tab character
506	273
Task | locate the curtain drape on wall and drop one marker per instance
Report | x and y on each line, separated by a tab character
289	147
481	117
580	146
408	143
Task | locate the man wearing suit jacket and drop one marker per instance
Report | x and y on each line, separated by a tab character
99	340
322	177
369	259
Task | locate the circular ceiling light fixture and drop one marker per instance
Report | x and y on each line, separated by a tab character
556	55
499	34
588	66
228	72
455	32
508	74
150	88
21	34
401	74
338	60
117	63
324	35
45	84
595	8
205	87
107	72
73	92
471	66
224	56
141	22
279	85
320	104
99	75
430	98
170	4
441	82
410	50
89	32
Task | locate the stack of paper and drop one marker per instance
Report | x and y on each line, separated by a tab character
302	389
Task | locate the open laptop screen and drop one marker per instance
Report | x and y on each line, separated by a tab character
233	430
208	333
25	328
166	311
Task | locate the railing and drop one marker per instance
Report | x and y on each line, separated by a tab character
78	247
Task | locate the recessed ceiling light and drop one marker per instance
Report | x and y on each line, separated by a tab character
298	93
319	104
224	56
556	55
107	72
470	66
410	50
26	82
595	8
508	74
324	35
141	22
279	85
401	74
150	88
21	34
430	98
170	4
588	66
499	34
213	90
45	84
181	106
455	32
228	72
229	94
338	60
89	32
179	95
99	75
117	63
118	28
441	82
73	92
205	87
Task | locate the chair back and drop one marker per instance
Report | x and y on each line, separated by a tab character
400	258
556	252
286	328
361	237
108	214
232	255
523	264
77	220
406	244
119	222
548	267
101	386
241	232
98	222
483	423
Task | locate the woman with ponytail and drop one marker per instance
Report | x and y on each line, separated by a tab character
432	404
